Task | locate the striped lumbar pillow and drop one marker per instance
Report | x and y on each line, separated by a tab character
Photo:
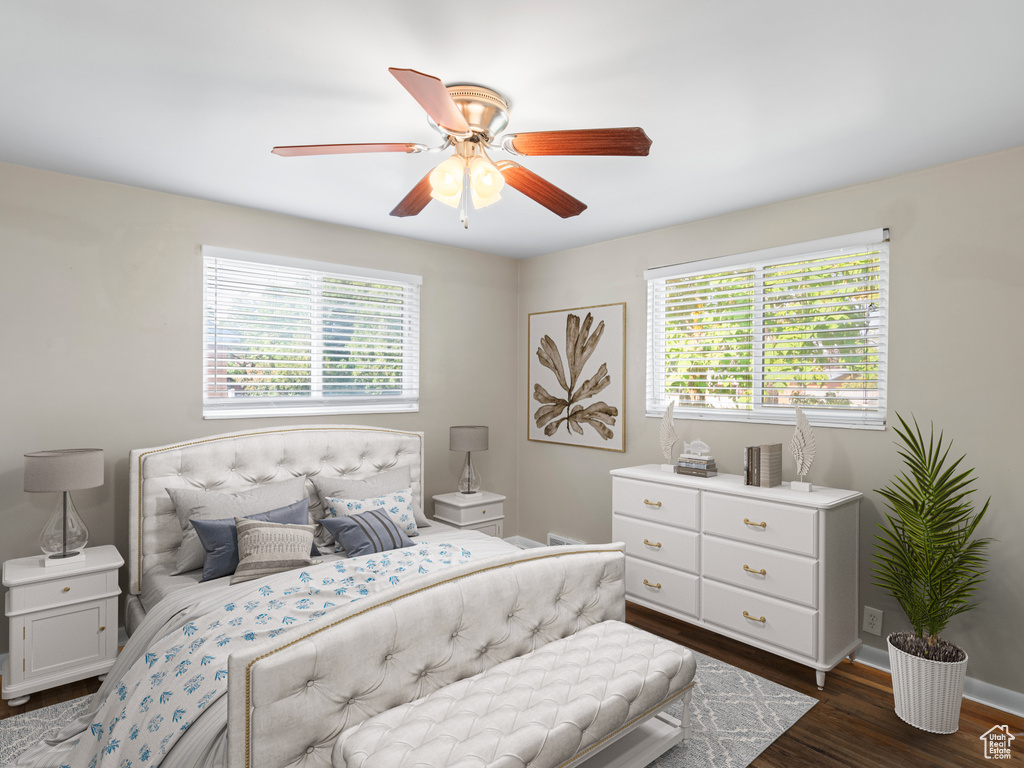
366	533
265	548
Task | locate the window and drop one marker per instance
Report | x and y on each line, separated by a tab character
286	337
748	337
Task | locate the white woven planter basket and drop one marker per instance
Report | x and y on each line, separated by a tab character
928	693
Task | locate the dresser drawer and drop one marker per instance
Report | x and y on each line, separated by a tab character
667	504
793	529
674	547
61	591
785	625
661	585
785	576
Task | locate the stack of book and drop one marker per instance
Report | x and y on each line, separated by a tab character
762	465
696	466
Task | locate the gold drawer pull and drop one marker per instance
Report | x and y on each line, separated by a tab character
483	511
652	586
753	618
652	503
67	589
748	569
651	544
756	525
103	627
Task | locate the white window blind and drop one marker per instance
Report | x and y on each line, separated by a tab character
285	337
748	337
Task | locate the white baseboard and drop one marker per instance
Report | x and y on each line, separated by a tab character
975	690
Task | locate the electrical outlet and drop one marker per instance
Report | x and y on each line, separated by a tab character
872	620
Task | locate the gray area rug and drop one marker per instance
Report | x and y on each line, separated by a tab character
735	716
20	732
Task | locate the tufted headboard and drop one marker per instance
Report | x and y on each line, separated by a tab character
240	460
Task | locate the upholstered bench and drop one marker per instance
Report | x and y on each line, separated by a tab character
556	706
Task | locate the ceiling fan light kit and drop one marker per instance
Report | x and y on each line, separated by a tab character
470	118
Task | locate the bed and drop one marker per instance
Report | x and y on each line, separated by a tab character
270	672
237	461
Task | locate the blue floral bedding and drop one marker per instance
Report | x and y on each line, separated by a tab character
171	683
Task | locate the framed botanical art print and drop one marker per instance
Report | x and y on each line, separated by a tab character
577	377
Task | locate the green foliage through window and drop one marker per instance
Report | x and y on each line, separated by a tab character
279	337
763	338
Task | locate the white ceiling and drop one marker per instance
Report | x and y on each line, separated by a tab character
747	101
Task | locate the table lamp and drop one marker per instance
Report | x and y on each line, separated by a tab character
468	439
64	535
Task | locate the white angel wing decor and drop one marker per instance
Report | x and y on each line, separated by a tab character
667	434
802	447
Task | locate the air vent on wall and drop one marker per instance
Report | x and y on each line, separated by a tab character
554	540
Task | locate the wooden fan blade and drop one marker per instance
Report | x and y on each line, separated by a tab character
342	149
431	94
594	141
544	192
416	200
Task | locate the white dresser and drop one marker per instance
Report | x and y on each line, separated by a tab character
771	567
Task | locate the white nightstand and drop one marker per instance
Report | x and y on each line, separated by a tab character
480	511
63	621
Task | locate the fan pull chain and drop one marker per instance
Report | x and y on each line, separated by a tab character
464	207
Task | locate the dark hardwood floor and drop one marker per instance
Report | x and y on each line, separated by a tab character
853	723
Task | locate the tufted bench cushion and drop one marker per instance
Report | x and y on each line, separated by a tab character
541	709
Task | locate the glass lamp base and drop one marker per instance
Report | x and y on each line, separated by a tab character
469	480
65	531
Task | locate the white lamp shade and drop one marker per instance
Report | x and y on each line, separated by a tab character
65	470
486	182
446	181
467	438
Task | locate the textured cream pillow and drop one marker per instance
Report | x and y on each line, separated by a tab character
211	505
266	548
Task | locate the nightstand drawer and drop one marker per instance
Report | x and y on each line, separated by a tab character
60	591
468	515
763	618
763	523
673	547
668	504
663	586
789	577
470	508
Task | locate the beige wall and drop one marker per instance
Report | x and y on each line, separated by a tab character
100	294
957	274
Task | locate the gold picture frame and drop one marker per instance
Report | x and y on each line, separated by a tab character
576	374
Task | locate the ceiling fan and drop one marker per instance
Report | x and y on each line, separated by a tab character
470	119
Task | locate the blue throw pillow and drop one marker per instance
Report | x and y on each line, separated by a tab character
220	537
366	533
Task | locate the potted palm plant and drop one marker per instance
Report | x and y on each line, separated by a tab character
928	558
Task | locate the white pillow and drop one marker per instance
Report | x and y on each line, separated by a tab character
398	505
211	505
